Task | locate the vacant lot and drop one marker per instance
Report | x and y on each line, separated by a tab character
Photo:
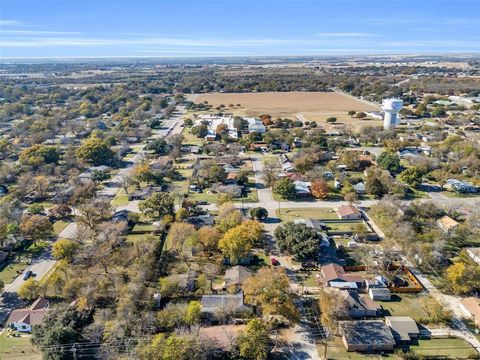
343	119
285	104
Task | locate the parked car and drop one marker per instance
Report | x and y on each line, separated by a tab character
203	202
275	262
27	275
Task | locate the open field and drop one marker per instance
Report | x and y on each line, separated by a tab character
303	213
343	119
285	104
17	348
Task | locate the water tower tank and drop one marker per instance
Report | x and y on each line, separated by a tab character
391	108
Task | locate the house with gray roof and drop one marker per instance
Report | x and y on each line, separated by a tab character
366	336
404	328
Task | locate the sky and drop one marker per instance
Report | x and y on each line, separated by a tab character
218	28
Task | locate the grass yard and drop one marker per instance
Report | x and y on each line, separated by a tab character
189	138
412	305
58	226
452	348
121	199
348	226
302	213
16	348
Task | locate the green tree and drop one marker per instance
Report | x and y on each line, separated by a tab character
59	329
298	240
199	131
192	314
331	120
39	154
254	340
411	176
158	205
374	186
389	161
95	151
285	188
258	213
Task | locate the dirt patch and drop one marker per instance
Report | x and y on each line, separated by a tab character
285	104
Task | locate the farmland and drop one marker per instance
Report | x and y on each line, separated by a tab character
285	104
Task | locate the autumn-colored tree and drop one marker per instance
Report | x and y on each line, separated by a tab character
30	290
463	278
207	238
91	214
320	189
36	227
332	308
266	119
240	240
64	249
38	154
142	172
41	185
179	233
253	341
270	290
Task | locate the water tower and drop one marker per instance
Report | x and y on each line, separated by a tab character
391	108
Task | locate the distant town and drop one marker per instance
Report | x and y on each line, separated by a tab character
280	208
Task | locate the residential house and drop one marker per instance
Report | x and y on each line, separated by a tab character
201	220
366	336
237	275
23	319
349	212
224	304
302	188
471	306
144	194
446	223
461	186
360	188
404	328
335	276
381	294
255	125
474	253
360	305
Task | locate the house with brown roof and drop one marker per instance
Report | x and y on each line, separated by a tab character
349	212
335	276
471	306
23	319
446	223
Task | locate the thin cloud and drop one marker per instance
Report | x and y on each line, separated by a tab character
5	22
344	34
37	32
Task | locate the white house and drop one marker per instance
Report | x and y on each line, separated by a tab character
23	319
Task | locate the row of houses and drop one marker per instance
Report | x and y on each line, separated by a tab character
214	121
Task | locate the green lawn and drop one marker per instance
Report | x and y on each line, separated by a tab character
451	348
142	227
303	213
347	226
455	195
17	348
190	139
121	199
412	305
58	226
